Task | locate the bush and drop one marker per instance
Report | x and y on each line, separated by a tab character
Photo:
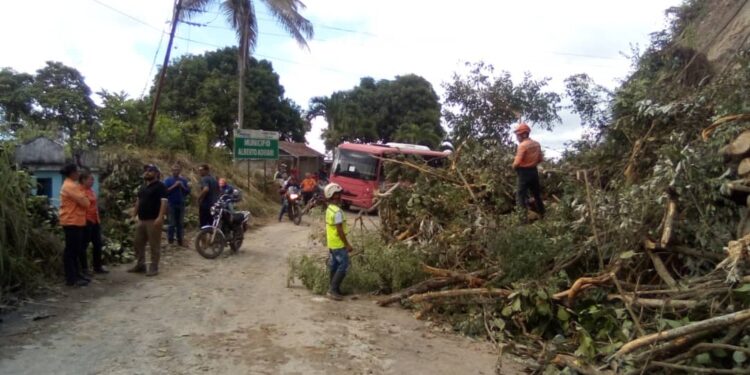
375	268
30	243
528	251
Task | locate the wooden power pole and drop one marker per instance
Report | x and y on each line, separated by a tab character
175	20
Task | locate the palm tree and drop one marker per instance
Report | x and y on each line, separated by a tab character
241	16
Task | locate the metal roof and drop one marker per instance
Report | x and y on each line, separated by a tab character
298	150
379	149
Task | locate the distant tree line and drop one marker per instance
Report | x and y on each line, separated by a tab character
197	112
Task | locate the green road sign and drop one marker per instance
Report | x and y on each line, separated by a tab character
256	145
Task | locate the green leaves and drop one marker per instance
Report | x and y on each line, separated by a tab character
483	105
202	89
405	109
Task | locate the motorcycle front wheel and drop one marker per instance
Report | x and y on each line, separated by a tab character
297	218
209	243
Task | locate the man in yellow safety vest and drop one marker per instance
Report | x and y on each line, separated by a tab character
338	245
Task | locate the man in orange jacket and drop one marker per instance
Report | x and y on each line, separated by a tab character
528	156
73	207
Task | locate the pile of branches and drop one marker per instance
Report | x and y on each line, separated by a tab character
643	277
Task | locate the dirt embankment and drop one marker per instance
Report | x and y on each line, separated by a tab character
233	315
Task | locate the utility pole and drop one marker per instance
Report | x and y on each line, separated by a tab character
175	20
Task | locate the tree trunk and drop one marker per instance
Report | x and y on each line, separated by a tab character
242	64
739	147
712	324
424	286
454	293
744	168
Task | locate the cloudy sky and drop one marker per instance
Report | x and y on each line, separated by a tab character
114	43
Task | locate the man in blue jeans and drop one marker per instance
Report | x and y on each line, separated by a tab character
338	245
177	191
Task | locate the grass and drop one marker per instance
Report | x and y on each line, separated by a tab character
375	267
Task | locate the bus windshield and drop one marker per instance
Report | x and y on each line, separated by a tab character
355	164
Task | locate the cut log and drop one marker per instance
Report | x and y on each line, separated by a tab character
739	147
712	324
474	292
668	227
469	278
744	168
424	286
653	302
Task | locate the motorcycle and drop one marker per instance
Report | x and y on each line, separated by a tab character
227	228
295	205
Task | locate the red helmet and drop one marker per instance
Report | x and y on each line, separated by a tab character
522	128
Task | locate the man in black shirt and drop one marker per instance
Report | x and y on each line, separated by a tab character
150	208
208	196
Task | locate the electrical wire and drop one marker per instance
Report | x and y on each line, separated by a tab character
153	65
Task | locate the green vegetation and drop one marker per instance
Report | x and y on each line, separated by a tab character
30	241
581	281
56	102
375	268
405	109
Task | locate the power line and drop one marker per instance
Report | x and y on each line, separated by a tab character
127	15
153	64
212	44
286	60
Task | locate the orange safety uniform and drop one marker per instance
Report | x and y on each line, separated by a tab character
73	204
308	185
92	213
529	154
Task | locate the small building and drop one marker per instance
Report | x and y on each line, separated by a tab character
299	157
44	158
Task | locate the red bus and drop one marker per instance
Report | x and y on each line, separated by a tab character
358	170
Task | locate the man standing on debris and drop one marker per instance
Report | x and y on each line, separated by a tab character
150	208
177	190
338	244
528	156
208	196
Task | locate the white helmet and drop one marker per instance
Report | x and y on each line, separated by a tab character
332	189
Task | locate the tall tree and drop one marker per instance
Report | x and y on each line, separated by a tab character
65	104
16	97
123	120
241	16
404	109
201	90
483	105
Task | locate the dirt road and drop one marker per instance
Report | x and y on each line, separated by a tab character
232	315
